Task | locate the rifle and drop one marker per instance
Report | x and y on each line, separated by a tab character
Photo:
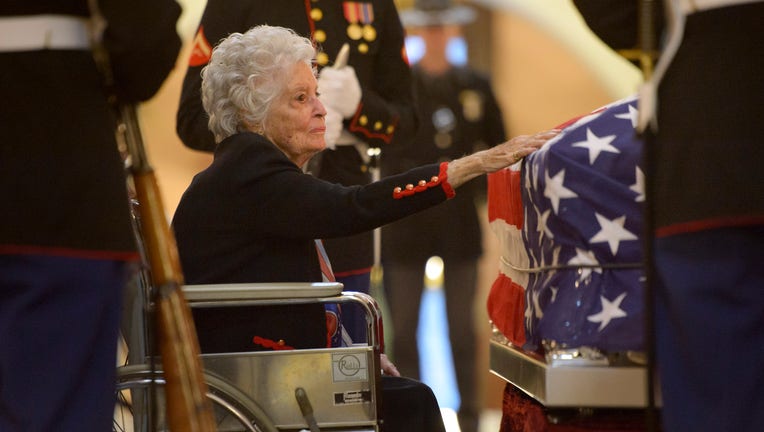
188	408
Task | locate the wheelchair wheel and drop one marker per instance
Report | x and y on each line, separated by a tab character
140	407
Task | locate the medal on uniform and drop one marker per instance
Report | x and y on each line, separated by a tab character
366	15
352	14
354	31
360	16
369	32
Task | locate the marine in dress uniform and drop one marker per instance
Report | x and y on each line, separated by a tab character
702	112
65	230
384	117
458	115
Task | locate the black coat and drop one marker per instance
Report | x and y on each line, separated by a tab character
386	115
253	215
706	161
62	179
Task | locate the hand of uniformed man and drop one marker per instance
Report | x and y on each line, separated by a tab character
333	123
339	89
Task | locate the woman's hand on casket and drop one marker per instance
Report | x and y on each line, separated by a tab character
388	368
495	158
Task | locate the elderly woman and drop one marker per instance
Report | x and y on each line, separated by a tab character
253	214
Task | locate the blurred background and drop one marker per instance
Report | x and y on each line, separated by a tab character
546	67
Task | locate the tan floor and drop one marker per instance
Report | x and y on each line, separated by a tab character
490	420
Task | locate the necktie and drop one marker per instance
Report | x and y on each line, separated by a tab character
333	311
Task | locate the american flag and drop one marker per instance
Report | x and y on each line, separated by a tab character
570	226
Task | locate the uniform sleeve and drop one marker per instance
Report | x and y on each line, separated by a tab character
309	207
302	206
386	114
220	18
143	44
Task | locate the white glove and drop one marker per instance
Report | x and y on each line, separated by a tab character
339	89
333	122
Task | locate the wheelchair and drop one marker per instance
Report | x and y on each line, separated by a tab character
326	389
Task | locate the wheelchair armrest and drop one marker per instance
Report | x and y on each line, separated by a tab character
271	293
261	291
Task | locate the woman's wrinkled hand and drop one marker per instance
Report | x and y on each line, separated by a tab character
495	158
514	150
388	368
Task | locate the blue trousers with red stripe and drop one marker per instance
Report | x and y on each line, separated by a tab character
59	320
709	328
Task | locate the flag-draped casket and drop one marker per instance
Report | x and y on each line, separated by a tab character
569	223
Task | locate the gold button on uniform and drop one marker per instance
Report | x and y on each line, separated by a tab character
363	120
320	36
316	14
322	58
363	48
377	125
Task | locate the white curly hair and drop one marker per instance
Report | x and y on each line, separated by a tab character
245	74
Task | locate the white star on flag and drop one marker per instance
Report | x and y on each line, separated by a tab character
541	225
610	310
528	315
632	115
584	257
576	225
532	177
555	190
596	145
612	232
538	312
639	185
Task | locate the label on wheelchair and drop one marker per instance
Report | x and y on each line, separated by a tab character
350	367
352	397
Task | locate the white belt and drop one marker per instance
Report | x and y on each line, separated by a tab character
41	32
693	6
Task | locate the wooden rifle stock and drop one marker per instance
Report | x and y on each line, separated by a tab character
188	408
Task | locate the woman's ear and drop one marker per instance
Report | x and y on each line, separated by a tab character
251	126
